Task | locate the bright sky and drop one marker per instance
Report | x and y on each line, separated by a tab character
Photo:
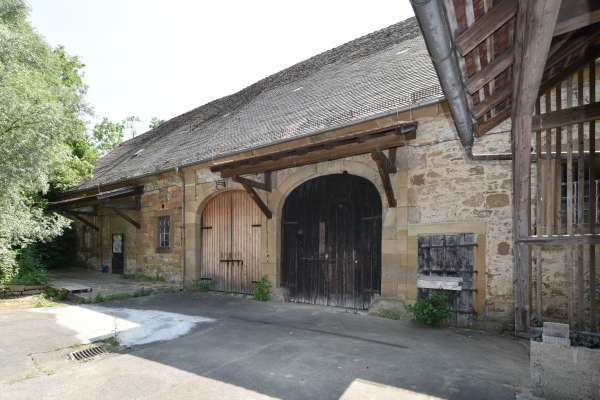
161	58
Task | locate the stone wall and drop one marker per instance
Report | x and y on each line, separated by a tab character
436	188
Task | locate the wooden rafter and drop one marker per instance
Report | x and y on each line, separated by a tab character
497	16
70	214
492	101
491	71
486	126
576	15
347	148
259	202
385	166
125	217
265	185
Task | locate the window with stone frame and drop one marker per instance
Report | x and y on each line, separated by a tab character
164	232
87	237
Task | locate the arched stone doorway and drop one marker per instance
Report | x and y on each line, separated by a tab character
331	242
230	234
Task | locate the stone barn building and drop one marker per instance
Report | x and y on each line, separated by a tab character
341	178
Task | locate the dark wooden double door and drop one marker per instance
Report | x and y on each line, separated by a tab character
331	244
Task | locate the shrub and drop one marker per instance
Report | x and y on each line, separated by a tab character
390	313
30	270
431	310
203	285
263	289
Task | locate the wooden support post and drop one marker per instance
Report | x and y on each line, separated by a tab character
592	206
265	185
549	170
533	35
384	167
540	227
259	202
126	217
570	265
70	214
580	204
558	168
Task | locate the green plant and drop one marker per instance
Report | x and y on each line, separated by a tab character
56	294
143	277
431	310
29	269
389	313
263	289
42	301
203	285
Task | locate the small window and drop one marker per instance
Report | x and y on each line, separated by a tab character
164	232
87	237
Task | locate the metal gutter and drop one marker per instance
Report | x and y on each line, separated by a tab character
432	20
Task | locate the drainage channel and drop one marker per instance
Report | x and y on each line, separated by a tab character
86	354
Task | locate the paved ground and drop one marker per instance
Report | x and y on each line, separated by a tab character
256	350
100	283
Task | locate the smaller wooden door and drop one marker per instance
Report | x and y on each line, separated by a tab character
118	259
451	256
231	240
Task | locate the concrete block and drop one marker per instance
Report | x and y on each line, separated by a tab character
555	333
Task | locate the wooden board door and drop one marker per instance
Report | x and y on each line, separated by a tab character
118	258
331	245
231	241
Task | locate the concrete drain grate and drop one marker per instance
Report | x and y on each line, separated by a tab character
86	354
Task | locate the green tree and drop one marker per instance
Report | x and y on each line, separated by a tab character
42	132
108	134
155	122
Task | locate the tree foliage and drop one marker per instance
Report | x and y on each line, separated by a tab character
42	132
155	122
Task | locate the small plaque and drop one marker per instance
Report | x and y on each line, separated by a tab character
439	282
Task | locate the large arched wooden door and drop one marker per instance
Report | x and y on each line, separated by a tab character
231	241
331	245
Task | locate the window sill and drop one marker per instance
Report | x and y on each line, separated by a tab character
163	249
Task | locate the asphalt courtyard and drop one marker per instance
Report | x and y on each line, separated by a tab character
252	350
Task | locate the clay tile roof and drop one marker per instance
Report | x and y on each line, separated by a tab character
381	72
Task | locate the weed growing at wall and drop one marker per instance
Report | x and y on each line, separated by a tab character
263	289
431	310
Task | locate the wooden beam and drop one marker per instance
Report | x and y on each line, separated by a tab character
568	116
484	27
80	218
499	95
384	172
125	217
533	35
356	131
562	240
485	126
550	81
265	185
576	14
110	204
385	141
492	70
259	202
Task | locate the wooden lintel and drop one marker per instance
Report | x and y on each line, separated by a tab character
259	202
491	71
110	204
571	240
491	101
380	159
126	217
90	213
385	141
265	185
484	27
567	116
79	218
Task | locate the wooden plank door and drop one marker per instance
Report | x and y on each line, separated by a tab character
331	243
231	240
118	258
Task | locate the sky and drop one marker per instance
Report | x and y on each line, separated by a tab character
161	58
